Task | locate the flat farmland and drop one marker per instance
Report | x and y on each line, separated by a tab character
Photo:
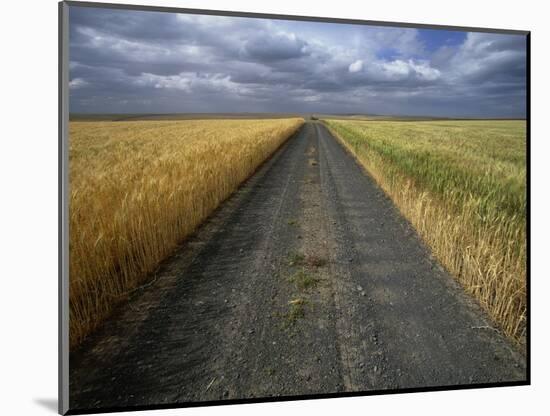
137	188
462	184
306	280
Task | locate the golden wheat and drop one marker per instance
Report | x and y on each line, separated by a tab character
462	184
137	188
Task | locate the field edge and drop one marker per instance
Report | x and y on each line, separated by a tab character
516	336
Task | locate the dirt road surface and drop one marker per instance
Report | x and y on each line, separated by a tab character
306	281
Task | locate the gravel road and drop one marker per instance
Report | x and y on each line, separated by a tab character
306	281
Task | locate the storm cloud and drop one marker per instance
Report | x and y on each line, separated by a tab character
125	61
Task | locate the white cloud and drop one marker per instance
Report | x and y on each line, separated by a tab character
77	83
356	66
192	82
399	69
396	69
311	98
424	71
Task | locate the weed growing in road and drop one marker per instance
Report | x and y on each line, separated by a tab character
303	280
315	261
310	260
297	310
295	259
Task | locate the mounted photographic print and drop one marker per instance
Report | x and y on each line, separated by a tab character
264	207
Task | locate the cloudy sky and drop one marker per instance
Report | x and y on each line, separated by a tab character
125	61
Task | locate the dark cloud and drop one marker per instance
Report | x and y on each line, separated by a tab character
129	61
267	47
136	26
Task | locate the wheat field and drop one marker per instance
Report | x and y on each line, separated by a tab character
462	185
138	188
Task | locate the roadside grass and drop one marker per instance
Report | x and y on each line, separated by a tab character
138	188
462	184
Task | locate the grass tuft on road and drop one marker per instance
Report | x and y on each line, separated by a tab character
297	310
309	260
303	280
